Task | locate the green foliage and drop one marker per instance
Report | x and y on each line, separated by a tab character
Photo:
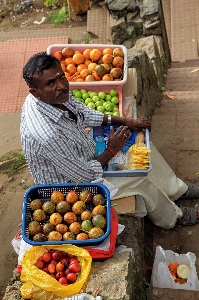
164	61
14	24
50	3
59	16
87	38
19	161
137	34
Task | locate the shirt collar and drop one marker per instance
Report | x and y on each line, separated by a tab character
53	112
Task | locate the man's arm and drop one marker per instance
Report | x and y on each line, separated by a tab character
134	125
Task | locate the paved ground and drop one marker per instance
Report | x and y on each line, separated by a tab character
174	124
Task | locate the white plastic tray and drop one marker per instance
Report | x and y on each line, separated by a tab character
127	173
81	47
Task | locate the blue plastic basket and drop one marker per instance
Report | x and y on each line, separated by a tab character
44	192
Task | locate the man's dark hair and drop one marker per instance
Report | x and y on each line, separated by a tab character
36	65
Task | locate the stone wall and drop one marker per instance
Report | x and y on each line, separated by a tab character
139	25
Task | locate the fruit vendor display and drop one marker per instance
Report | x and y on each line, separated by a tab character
91	64
72	217
59	265
107	103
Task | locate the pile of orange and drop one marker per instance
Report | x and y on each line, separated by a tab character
91	64
179	272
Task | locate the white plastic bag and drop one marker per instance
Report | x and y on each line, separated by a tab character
83	296
161	276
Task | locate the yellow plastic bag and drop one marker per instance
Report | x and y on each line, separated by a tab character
31	274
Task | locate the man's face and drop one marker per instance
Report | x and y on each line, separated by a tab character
53	87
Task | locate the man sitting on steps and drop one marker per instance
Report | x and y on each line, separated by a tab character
58	149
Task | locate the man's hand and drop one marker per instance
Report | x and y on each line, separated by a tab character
139	124
115	143
118	139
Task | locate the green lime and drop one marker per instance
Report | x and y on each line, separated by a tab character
99	103
108	112
78	94
102	95
106	102
91	105
92	94
101	108
108	97
74	91
115	100
85	96
109	106
83	91
117	114
115	109
89	92
95	98
88	100
112	92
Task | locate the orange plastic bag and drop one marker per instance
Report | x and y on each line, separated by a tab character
36	279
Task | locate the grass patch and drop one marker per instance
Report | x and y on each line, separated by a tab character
58	16
18	162
87	38
50	3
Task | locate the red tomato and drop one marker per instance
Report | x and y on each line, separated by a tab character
63	280
45	269
40	258
70	255
72	260
57	255
64	260
47	257
75	268
59	275
71	276
39	264
67	271
54	262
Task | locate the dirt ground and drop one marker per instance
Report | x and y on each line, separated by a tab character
12	190
17	14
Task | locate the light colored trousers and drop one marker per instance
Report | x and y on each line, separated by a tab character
159	189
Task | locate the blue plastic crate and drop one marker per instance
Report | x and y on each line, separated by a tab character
44	192
100	147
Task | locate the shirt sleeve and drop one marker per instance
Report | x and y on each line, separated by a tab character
67	162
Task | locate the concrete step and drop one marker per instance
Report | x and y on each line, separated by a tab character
168	294
182	79
177	95
184	30
188	63
98	25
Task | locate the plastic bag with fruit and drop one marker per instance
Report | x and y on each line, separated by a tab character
174	271
41	282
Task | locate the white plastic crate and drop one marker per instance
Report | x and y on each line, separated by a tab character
118	85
